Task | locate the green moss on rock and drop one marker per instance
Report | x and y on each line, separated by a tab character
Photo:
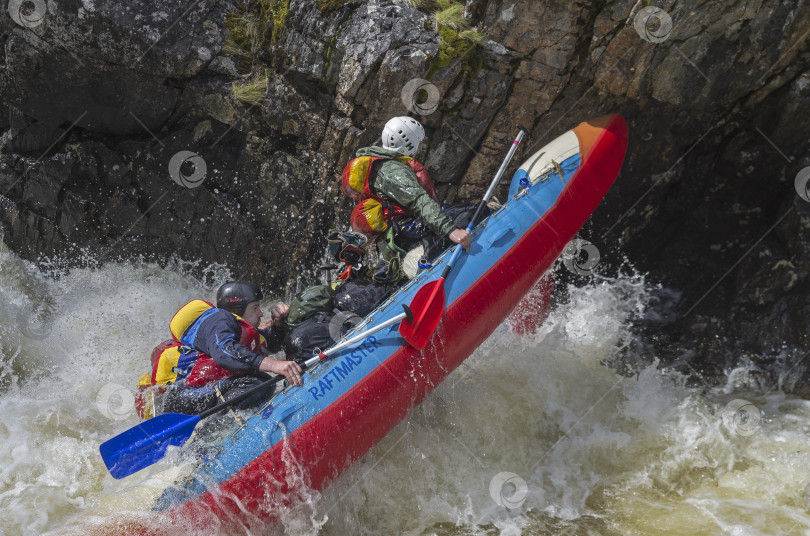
253	92
277	11
330	6
453	47
253	27
458	40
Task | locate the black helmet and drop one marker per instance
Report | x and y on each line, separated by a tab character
235	296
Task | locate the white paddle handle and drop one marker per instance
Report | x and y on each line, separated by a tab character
349	342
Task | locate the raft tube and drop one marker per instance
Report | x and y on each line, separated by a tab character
309	435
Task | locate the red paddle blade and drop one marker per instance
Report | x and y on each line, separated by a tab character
427	307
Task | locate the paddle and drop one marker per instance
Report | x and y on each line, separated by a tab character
428	303
146	443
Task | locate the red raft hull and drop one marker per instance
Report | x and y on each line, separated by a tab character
321	449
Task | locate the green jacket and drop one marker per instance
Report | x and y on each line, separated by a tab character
397	182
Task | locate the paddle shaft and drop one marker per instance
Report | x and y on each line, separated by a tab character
487	197
428	304
349	342
239	398
146	443
307	364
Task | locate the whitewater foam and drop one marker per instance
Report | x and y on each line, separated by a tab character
598	452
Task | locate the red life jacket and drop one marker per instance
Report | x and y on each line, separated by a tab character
206	370
372	213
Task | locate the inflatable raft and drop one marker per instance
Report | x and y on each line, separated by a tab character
349	402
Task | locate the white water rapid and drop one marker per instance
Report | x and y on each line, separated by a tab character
532	435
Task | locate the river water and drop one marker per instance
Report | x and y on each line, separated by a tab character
532	435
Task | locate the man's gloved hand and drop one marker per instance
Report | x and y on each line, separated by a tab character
289	369
278	313
461	236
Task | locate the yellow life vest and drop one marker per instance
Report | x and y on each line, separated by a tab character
172	355
372	213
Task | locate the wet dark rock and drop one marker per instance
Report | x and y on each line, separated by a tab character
705	204
107	67
224	65
26	135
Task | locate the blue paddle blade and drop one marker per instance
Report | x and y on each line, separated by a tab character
143	445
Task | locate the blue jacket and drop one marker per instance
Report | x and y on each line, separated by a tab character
217	335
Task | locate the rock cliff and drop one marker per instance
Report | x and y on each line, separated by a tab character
217	131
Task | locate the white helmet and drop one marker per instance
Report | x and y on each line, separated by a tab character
403	134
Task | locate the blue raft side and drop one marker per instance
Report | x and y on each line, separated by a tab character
568	167
331	379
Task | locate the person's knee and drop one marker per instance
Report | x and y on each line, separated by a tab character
189	400
235	386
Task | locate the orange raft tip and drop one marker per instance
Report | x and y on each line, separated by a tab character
590	131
